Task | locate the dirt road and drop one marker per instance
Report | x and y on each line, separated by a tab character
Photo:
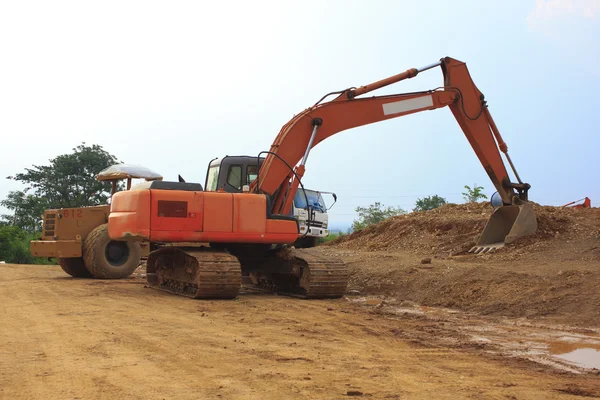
63	338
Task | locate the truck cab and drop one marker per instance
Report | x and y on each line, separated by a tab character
312	216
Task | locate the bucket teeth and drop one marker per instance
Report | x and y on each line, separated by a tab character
506	224
486	249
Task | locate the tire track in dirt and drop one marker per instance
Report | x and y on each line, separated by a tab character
119	340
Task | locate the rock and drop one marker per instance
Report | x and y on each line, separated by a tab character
426	260
354	393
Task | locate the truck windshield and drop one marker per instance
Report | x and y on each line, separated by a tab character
315	200
213	177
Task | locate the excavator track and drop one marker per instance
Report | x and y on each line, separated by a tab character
199	273
299	273
322	277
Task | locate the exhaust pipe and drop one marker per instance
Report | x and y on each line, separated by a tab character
507	224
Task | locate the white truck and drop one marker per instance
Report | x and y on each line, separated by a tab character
312	216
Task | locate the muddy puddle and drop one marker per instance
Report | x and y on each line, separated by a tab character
570	349
584	356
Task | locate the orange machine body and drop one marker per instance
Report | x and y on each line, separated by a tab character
586	203
250	218
197	216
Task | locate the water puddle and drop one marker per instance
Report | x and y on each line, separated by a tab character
562	347
373	302
585	355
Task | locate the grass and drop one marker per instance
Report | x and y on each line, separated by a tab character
332	236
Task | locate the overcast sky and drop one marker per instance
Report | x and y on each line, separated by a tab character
171	85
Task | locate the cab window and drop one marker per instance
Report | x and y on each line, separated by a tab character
234	176
315	200
251	173
213	176
300	199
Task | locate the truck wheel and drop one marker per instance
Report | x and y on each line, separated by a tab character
74	267
110	259
311	242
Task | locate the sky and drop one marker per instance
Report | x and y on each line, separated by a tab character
172	85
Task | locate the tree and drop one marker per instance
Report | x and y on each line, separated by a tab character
374	214
474	194
69	181
429	203
27	210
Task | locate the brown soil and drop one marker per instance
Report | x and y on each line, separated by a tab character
66	338
510	322
451	230
553	274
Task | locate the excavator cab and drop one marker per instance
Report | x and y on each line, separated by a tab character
232	173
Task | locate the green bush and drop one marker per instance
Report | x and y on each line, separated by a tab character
21	254
14	246
429	203
374	214
474	194
332	236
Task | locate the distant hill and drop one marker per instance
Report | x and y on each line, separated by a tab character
340	227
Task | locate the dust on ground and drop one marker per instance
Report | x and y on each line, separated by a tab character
422	318
76	338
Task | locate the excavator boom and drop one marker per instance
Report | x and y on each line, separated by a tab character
347	111
459	93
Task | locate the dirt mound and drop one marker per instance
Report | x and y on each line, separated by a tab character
423	257
452	229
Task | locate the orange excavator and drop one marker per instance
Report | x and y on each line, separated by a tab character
247	236
581	203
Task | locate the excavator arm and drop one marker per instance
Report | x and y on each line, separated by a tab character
315	124
164	212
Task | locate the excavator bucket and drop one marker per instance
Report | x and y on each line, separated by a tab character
507	224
